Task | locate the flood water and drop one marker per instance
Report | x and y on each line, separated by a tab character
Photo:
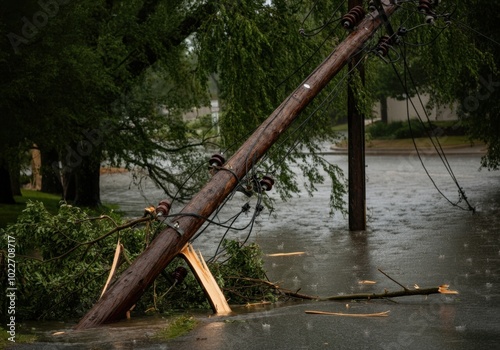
413	234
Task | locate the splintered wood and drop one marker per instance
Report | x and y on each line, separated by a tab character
286	254
207	281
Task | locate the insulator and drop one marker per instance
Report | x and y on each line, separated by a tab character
402	31
383	46
217	160
353	17
425	6
258	209
245	208
429	19
163	208
371	6
266	183
179	274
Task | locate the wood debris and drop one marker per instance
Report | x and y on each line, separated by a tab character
286	254
376	314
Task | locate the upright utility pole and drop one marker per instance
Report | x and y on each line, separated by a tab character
134	281
356	145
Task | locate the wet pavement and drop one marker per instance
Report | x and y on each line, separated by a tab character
414	235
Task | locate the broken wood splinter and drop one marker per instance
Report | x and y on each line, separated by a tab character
286	254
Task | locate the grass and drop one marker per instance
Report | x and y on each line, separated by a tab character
10	212
178	327
445	141
19	338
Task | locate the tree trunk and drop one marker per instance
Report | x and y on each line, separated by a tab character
87	190
15	178
6	195
51	179
69	186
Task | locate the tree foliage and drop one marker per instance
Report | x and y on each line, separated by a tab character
454	59
116	78
96	81
52	284
63	262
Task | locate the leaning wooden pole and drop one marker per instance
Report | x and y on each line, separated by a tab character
134	281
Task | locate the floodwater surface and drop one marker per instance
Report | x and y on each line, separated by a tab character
413	234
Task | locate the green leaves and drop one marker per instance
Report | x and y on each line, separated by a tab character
51	284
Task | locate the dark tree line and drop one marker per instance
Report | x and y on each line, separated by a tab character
91	81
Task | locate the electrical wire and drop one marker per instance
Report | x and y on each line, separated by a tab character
476	32
320	46
335	92
436	144
307	120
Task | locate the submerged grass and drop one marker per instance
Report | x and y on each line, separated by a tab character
19	338
178	327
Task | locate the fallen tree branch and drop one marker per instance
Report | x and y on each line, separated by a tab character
376	314
385	294
284	291
392	279
443	289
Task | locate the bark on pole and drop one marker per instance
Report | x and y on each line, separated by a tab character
356	145
134	281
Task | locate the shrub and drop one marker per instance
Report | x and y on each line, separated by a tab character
398	130
52	284
60	276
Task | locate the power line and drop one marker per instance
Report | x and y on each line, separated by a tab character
436	144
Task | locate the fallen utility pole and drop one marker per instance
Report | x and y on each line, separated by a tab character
134	281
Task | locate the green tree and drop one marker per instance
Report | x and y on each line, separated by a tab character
453	58
91	79
69	84
478	90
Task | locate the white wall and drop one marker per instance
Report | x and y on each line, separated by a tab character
396	110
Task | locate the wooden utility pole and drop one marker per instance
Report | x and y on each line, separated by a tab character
134	281
356	144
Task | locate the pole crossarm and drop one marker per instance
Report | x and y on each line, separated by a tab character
134	281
